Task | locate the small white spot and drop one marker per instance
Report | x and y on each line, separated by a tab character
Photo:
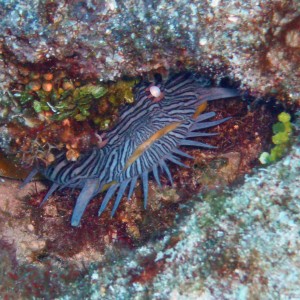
214	3
30	227
111	4
155	91
95	276
203	41
233	19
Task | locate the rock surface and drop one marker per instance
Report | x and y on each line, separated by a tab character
241	244
257	41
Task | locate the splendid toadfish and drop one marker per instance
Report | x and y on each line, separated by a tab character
146	138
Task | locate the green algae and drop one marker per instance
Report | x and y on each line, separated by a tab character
281	139
79	103
74	104
121	89
41	101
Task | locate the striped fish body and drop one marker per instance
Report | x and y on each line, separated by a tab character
148	134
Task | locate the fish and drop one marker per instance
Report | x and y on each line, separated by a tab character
165	116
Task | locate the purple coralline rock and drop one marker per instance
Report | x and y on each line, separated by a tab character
258	42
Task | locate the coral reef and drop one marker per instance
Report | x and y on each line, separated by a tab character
243	243
196	240
257	42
